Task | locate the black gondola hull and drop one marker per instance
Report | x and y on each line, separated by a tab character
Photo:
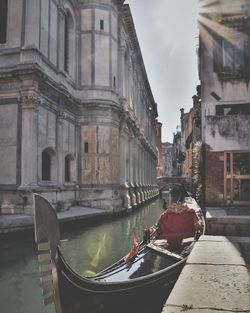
133	296
140	285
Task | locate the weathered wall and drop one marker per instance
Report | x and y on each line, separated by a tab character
228	132
224	90
100	165
225	83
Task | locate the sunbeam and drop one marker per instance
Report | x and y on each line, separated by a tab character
221	30
221	27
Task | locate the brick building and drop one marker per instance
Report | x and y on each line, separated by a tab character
190	134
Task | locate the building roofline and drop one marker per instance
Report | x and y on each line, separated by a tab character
130	27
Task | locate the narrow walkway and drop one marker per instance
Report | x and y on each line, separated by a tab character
20	222
229	221
214	279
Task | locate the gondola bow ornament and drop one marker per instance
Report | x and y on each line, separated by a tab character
133	252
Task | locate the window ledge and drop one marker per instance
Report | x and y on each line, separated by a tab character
69	184
47	183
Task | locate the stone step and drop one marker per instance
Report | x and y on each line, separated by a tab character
228	221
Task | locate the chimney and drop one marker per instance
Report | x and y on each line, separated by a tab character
182	113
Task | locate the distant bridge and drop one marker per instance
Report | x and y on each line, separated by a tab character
163	181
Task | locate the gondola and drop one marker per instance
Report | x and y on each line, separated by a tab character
139	282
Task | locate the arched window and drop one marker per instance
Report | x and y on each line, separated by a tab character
3	21
69	43
46	165
49	167
67	169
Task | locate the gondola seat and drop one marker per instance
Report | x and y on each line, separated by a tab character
176	225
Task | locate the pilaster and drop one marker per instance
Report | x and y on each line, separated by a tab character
60	118
29	167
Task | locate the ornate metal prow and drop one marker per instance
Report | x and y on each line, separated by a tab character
47	237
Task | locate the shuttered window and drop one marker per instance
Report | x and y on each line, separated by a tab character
3	21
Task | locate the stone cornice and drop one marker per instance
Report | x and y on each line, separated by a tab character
130	29
119	2
138	133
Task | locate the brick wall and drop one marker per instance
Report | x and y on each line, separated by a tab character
214	178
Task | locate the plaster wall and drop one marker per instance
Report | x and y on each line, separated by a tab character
114	63
229	91
222	132
46	129
86	20
102	60
32	18
14	30
69	142
228	132
86	59
53	34
104	16
44	30
114	25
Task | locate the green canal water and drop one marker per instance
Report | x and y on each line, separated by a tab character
90	248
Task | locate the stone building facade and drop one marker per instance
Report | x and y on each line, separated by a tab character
178	155
167	151
225	73
190	135
77	115
187	144
159	168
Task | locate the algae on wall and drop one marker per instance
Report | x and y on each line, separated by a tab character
198	172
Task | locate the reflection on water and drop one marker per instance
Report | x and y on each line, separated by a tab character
20	291
92	248
95	248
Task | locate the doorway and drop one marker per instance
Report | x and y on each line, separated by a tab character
237	177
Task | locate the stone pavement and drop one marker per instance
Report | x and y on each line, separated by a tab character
214	279
20	222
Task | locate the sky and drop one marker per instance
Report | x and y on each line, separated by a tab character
168	37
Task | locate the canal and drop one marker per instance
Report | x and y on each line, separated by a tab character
90	248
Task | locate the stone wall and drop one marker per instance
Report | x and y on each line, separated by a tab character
8	143
74	91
